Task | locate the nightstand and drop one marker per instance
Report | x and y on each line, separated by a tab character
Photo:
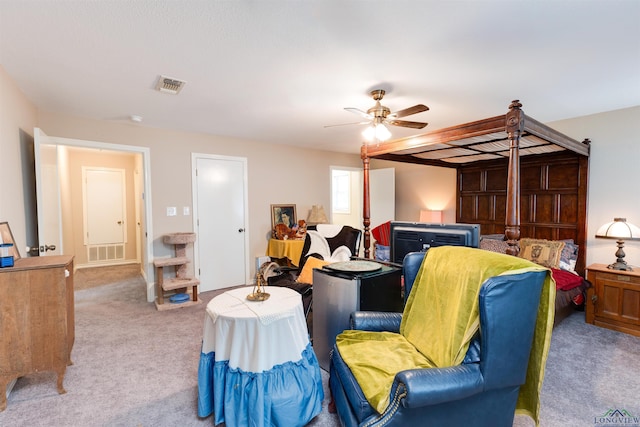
614	300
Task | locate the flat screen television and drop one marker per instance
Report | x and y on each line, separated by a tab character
420	236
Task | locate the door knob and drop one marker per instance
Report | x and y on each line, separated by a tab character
33	250
46	248
119	222
240	230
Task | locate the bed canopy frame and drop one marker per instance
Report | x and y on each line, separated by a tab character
488	155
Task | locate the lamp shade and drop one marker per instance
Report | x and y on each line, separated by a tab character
317	215
431	216
619	229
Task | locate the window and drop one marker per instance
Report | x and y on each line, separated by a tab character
341	191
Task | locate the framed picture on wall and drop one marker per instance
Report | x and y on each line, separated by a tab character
7	237
283	214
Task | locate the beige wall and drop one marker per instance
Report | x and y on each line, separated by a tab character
276	174
18	117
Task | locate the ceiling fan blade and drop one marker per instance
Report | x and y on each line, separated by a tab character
347	124
359	112
409	111
406	124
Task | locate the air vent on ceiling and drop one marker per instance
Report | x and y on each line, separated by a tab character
169	85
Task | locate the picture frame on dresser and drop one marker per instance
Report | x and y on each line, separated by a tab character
7	237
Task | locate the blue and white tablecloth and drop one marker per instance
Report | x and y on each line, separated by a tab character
257	367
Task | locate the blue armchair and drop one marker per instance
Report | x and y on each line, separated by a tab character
481	391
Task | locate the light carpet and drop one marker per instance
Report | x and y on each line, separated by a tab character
91	277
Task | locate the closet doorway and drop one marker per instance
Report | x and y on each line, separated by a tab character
59	201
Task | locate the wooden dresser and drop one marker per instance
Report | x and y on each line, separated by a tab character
614	300
36	319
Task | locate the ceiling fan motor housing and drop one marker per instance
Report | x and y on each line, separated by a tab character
377	94
378	110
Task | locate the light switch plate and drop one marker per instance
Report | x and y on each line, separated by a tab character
186	210
172	211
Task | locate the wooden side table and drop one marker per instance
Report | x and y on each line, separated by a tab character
614	300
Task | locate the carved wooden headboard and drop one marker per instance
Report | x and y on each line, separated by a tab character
553	198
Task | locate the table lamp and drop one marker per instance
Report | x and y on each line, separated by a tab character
317	216
620	230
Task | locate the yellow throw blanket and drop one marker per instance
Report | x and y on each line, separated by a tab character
439	320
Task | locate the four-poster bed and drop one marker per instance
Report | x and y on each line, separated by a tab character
504	163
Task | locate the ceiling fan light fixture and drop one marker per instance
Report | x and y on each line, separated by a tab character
376	132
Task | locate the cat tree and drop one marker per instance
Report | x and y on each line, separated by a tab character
176	288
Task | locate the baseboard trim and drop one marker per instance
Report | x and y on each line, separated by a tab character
106	264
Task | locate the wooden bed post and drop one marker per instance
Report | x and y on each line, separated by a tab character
366	211
514	128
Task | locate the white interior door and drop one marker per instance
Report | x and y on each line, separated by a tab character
47	194
220	212
104	206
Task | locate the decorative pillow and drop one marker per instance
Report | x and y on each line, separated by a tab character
494	245
568	256
493	236
306	276
543	252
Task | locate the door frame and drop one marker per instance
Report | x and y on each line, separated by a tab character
145	152
194	195
47	204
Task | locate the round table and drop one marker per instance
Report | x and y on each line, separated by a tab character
257	366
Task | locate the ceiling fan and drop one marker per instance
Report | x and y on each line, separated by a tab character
378	116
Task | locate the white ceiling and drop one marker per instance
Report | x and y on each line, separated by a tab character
279	71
